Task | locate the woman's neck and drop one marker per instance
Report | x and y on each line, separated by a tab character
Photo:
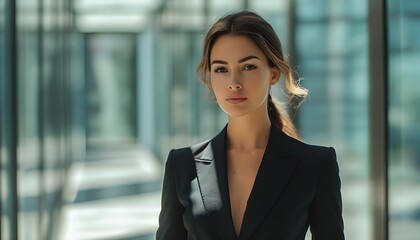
248	133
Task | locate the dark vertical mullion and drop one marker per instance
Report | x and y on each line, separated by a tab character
67	39
40	115
245	4
292	26
378	118
11	119
55	116
292	19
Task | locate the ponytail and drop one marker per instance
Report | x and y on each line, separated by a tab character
279	117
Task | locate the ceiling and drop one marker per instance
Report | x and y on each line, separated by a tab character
115	15
137	15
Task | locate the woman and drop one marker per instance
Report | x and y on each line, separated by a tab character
255	179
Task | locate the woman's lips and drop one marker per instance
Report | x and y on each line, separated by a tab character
236	100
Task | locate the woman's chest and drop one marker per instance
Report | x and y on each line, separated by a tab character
242	170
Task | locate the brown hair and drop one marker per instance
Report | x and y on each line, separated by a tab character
261	32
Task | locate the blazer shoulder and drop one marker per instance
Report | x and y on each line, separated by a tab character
178	153
319	157
185	156
319	151
309	150
179	160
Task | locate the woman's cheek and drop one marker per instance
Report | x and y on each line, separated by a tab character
216	85
217	82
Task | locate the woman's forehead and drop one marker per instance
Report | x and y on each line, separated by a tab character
235	47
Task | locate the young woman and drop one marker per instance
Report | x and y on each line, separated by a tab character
255	179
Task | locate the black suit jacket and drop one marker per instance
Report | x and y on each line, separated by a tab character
297	186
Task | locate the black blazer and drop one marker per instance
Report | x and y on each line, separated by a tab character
297	186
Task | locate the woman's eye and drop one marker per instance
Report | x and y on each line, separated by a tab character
220	70
249	67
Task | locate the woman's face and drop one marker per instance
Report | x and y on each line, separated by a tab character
240	75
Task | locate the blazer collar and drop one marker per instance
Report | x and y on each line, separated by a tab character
276	168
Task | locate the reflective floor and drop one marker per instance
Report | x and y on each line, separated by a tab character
114	195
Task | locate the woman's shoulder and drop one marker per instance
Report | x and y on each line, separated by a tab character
185	154
189	150
316	159
310	151
182	160
317	150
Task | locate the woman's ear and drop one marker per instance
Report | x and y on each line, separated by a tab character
275	76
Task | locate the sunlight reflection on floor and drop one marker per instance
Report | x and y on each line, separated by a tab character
113	198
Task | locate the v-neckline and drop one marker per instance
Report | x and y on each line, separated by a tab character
257	176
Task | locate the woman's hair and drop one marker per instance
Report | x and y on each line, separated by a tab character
250	24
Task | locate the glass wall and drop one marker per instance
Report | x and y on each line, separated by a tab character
111	88
404	119
331	55
42	132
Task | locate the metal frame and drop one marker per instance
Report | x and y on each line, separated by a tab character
378	118
41	113
10	133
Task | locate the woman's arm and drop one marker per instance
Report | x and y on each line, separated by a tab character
170	219
326	219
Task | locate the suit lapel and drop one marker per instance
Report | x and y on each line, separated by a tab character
207	177
210	162
276	168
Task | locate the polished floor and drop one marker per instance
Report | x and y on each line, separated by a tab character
113	195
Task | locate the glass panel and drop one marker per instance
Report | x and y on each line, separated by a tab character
32	211
119	179
111	86
332	58
44	115
404	119
29	84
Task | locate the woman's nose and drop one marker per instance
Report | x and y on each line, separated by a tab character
234	84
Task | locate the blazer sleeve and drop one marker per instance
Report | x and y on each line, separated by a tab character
326	221
171	225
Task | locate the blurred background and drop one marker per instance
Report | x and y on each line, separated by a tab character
94	93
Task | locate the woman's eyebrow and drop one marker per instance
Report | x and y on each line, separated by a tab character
218	61
247	58
239	61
